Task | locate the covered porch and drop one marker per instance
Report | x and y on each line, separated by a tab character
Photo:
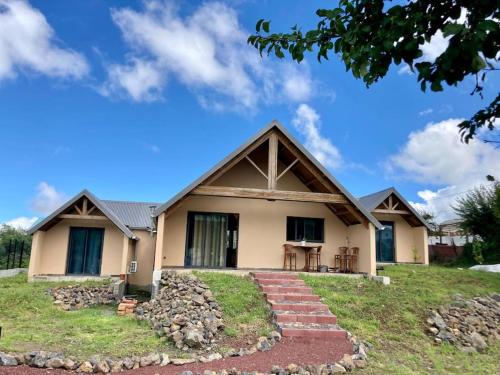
268	193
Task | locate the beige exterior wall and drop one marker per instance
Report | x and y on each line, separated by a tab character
51	248
364	238
407	238
262	224
144	254
262	230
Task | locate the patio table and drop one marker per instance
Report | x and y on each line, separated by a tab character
307	249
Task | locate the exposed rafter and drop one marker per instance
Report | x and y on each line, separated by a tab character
287	169
256	167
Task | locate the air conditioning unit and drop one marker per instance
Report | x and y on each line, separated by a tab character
133	267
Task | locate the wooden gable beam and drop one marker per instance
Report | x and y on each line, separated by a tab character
85	217
272	165
287	169
397	212
235	160
77	209
256	166
297	196
312	169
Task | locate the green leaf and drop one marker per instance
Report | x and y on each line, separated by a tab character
436	86
478	63
259	24
265	26
452	29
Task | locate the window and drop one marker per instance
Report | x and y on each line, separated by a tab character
304	228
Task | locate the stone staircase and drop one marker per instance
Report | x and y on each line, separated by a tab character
297	312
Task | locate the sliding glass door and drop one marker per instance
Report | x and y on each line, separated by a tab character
85	251
385	242
212	240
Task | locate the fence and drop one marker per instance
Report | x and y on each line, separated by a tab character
444	253
16	255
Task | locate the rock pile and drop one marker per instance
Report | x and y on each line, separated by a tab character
467	324
75	297
184	310
42	359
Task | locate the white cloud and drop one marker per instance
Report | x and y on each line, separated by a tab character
22	222
205	51
425	112
47	198
436	46
307	122
28	42
298	84
140	79
436	156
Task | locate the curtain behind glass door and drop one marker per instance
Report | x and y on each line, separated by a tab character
208	242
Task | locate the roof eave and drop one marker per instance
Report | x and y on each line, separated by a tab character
109	214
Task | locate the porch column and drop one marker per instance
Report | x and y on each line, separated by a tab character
421	240
124	263
160	230
36	248
364	238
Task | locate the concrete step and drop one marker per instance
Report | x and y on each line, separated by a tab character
294	306
289	317
292	297
280	282
311	330
286	289
274	275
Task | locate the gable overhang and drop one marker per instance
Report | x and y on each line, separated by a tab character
352	205
54	216
384	194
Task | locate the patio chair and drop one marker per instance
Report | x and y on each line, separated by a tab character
353	267
291	256
340	259
314	259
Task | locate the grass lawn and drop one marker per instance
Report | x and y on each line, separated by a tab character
392	318
245	310
30	321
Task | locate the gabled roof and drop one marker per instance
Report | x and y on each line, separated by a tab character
372	201
243	147
98	203
135	215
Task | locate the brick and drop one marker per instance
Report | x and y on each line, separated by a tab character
292	297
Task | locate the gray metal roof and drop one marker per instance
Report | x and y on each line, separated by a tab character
135	215
272	124
371	202
97	202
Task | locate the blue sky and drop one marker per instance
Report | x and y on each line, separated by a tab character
134	100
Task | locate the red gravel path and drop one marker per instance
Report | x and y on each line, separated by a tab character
290	350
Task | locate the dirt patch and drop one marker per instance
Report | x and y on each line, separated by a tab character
298	351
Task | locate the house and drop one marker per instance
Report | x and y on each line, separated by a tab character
268	192
404	236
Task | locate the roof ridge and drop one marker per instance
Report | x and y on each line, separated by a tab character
134	202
